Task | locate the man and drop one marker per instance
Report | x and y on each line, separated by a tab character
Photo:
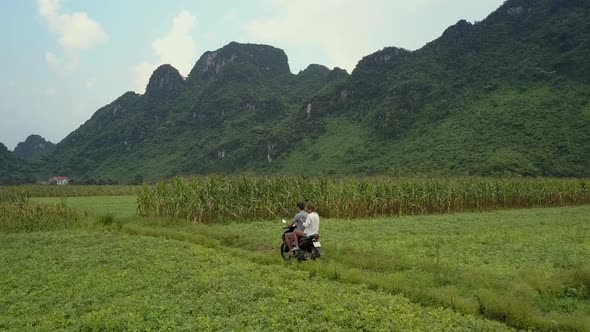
311	226
297	223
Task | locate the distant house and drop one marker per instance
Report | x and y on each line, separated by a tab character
59	180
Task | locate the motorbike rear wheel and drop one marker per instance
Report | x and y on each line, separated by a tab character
316	253
285	252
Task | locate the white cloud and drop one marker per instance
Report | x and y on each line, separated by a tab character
50	92
48	8
52	60
230	17
77	32
341	28
177	47
60	65
142	72
91	82
346	30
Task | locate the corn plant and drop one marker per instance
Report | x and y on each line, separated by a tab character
216	199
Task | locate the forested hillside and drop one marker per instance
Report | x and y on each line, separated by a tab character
12	169
505	96
33	148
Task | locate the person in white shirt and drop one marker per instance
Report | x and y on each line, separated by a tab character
311	225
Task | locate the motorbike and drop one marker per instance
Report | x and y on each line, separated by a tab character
310	248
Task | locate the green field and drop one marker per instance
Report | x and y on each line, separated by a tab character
85	280
122	206
524	269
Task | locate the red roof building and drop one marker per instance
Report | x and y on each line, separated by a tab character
59	180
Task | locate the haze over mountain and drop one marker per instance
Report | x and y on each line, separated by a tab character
505	96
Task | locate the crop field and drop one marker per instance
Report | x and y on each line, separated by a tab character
215	199
526	268
113	269
122	206
111	281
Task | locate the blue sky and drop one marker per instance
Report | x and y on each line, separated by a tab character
61	60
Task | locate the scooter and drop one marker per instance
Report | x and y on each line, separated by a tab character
309	247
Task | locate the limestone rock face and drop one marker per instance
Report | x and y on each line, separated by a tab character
266	59
386	58
458	32
34	147
165	79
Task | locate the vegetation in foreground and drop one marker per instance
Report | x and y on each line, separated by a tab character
97	206
96	280
17	214
526	268
216	199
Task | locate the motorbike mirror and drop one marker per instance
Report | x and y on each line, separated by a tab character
284	221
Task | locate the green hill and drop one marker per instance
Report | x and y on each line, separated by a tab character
505	96
508	95
12	169
227	116
33	148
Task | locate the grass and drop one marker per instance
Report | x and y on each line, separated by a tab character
97	280
347	135
36	190
527	268
122	206
524	268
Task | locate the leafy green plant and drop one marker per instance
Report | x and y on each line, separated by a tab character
526	268
110	219
145	283
107	219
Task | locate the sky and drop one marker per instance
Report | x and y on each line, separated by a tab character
61	60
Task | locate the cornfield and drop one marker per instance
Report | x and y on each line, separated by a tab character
17	214
217	199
